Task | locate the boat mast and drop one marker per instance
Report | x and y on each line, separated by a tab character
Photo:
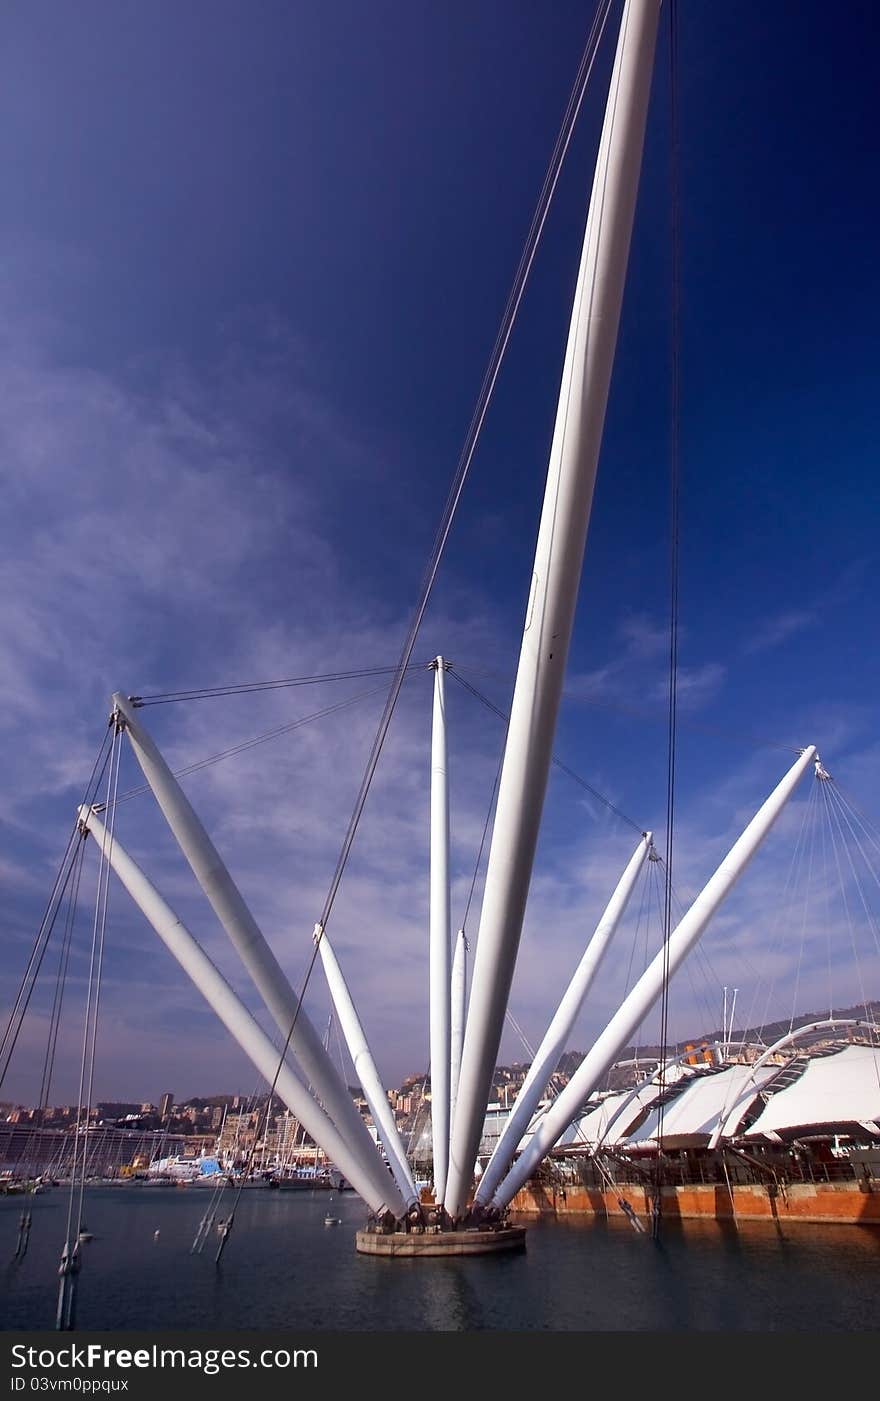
636	1006
551	1048
550	611
438	937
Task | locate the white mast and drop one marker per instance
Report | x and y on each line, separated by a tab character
550	612
365	1066
439	935
457	1017
244	932
365	1171
646	991
551	1048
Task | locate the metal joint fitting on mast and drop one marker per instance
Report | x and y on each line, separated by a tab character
821	771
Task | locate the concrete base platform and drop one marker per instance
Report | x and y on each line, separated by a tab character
441	1243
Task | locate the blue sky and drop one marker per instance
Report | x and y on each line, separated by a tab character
253	261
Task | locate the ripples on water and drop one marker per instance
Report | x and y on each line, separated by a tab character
283	1268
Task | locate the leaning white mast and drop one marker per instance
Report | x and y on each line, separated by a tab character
438	936
550	612
244	933
366	1172
458	1012
365	1067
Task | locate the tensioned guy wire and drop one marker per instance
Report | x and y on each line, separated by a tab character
557	763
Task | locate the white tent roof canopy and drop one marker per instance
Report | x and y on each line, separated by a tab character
593	1127
834	1089
704	1103
838	1089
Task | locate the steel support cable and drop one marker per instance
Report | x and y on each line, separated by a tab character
827	898
777	934
557	763
835	797
527	1045
868	1017
808	886
61	980
477	863
252	743
112	788
247	688
849	812
834	817
710	980
871	832
85	1080
644	903
658	879
65	1319
699	992
47	923
643	713
35	962
868	829
651	889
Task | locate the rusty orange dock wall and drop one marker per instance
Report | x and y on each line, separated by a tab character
848	1203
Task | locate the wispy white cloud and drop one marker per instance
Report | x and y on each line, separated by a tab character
638	672
779	628
694	685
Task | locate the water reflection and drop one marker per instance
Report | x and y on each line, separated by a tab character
283	1268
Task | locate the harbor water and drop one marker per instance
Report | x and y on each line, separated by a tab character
284	1268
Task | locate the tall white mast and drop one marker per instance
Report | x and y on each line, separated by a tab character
458	1009
439	934
365	1067
550	612
244	933
364	1169
551	1048
646	991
